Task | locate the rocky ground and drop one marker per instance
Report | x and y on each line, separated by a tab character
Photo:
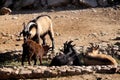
98	25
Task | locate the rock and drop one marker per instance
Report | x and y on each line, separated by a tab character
44	3
3	34
92	35
37	71
17	44
78	71
11	36
25	72
102	3
94	10
105	69
57	34
19	38
56	3
103	33
89	3
5	11
75	2
25	3
47	73
70	71
62	72
86	70
7	3
118	69
14	18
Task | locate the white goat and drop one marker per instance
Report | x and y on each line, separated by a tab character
38	28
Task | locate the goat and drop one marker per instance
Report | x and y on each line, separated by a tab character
33	50
68	58
5	11
38	28
93	58
61	59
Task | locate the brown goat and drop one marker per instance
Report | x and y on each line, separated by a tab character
93	58
33	50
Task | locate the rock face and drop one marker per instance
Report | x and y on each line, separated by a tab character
25	3
7	3
56	3
89	3
19	4
103	3
28	72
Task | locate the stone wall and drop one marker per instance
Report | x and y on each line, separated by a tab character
35	72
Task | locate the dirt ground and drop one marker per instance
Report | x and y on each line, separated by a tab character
90	77
81	25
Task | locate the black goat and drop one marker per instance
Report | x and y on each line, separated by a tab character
68	58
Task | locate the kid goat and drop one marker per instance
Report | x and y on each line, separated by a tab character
38	28
33	50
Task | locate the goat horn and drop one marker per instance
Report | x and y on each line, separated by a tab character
65	42
91	44
21	33
73	45
97	46
70	42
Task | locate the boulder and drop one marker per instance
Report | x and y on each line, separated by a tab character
25	3
5	11
8	3
75	2
102	3
43	3
89	3
57	3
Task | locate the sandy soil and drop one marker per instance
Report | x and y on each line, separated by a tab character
82	26
90	77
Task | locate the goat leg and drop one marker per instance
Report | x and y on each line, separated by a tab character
52	39
23	58
35	60
29	59
43	38
40	59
